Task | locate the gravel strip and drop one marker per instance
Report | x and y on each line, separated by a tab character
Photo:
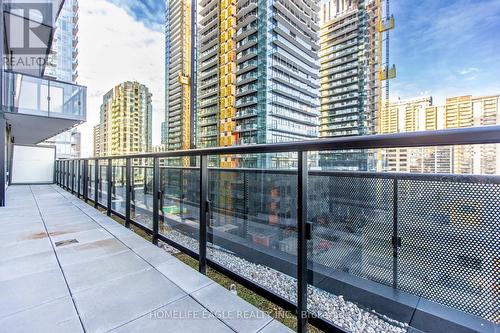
335	309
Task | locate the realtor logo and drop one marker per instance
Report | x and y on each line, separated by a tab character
29	28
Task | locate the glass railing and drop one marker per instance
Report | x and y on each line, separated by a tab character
402	246
43	97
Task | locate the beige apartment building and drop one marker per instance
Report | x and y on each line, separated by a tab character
420	114
97	140
125	125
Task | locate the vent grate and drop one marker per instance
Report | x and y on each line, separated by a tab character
66	242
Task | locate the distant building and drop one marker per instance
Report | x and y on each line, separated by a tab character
420	114
125	125
68	144
63	57
159	148
97	140
178	128
258	75
63	66
350	60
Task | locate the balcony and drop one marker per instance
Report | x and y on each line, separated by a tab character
39	108
391	251
66	267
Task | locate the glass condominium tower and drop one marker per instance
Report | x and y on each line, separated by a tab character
63	60
178	128
350	58
63	66
258	74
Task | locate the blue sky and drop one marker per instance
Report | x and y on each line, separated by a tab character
149	12
440	47
446	47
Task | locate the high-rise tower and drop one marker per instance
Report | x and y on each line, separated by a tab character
63	66
125	121
258	73
178	128
350	61
63	58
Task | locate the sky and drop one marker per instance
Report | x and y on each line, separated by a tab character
440	48
445	48
118	43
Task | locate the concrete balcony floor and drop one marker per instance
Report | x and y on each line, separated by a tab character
108	280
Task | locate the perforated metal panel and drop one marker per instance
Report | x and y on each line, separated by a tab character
450	243
352	225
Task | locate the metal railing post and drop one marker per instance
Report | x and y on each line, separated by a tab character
162	203
202	251
396	240
69	176
109	171
128	190
156	197
96	184
303	236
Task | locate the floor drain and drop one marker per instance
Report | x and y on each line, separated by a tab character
66	242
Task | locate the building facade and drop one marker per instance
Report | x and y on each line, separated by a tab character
63	58
63	66
420	114
97	139
24	119
350	61
68	144
125	125
258	74
178	128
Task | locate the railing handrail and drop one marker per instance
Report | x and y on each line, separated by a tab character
45	78
441	177
455	212
449	137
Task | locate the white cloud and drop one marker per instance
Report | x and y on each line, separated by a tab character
469	70
113	47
